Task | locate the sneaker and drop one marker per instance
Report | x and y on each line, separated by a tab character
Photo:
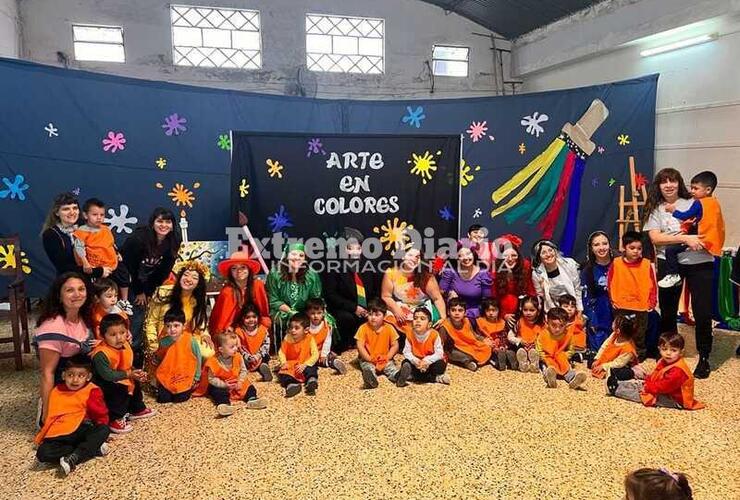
443	379
669	281
402	379
511	360
551	377
472	366
265	373
611	384
69	463
702	369
126	307
339	366
369	378
500	360
577	357
256	404
522	361
292	390
225	410
311	385
578	380
534	361
120	426
104	449
141	415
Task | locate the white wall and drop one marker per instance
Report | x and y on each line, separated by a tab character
9	30
412	27
698	108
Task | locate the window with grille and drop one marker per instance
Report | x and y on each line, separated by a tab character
343	44
98	43
448	60
216	38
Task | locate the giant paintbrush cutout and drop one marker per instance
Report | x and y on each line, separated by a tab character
557	173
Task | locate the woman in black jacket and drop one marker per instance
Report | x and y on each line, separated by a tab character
149	254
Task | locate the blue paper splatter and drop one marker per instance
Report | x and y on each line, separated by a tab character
279	220
414	117
445	213
15	189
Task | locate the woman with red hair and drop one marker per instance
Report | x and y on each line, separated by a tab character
512	275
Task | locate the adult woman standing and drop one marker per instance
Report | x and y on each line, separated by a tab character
512	276
554	275
240	287
149	254
466	280
596	304
696	264
62	329
60	224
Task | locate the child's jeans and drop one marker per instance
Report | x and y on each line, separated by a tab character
630	390
165	396
220	395
458	357
435	369
118	400
390	370
85	441
568	376
671	258
309	372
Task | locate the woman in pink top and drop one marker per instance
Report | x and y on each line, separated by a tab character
61	330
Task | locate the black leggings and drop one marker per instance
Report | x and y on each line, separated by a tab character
118	400
310	372
435	369
85	441
220	395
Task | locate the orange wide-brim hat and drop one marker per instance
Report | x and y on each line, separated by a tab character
243	258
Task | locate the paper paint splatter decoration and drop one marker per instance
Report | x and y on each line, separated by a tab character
532	122
394	234
423	165
612	181
623	139
315	147
181	196
414	117
601	150
52	130
15	188
522	148
466	176
114	142
161	162
274	168
477	213
174	124
279	220
7	259
595	182
557	174
445	213
120	221
76	191
243	188
224	142
477	130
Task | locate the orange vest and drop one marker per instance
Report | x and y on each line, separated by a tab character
578	331
232	373
99	247
712	226
554	351
378	343
528	333
491	330
67	410
296	353
466	341
98	313
611	351
118	359
176	372
251	343
320	336
423	349
687	389
630	285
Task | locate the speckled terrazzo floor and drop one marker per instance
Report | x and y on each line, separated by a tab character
488	435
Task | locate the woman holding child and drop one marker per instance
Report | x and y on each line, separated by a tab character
466	280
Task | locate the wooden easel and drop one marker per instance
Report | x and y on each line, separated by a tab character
629	210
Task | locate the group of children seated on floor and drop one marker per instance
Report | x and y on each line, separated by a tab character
102	392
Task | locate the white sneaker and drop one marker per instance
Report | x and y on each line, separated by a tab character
225	410
443	379
104	449
669	281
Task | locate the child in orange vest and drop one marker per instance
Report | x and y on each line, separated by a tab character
523	337
322	332
576	327
632	286
177	361
618	353
114	373
254	340
424	354
76	425
106	302
704	218
95	246
654	484
490	325
298	356
670	385
463	345
555	348
377	343
225	378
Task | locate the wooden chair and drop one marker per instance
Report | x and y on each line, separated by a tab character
11	268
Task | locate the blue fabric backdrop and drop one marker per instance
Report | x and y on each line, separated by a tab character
53	123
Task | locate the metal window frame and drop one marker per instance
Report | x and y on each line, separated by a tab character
88	25
334	54
466	60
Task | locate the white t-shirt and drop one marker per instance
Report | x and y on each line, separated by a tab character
666	223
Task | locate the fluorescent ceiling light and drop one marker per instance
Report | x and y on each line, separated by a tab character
678	45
